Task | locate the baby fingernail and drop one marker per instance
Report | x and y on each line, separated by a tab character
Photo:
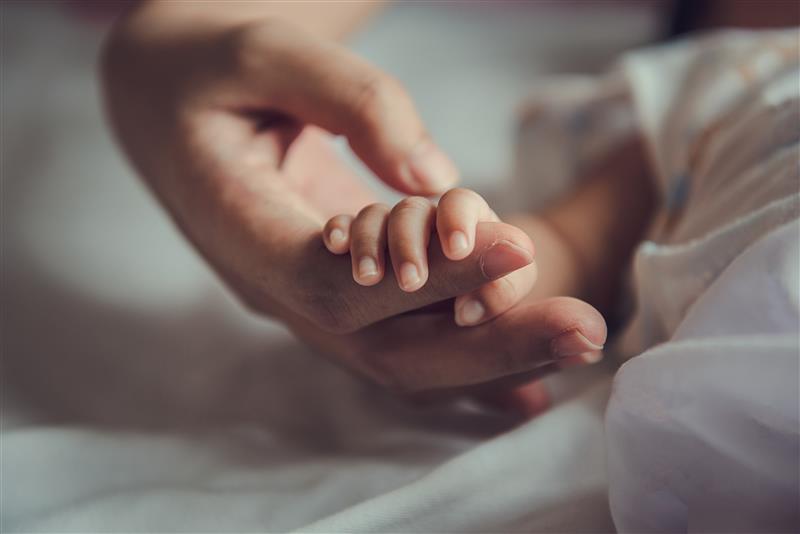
409	276
592	357
502	258
337	236
573	343
470	312
458	242
367	267
430	168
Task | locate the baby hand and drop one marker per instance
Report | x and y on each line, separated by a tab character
406	231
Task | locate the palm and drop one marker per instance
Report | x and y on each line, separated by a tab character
320	178
296	165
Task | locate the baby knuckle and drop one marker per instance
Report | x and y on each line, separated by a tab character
464	194
376	209
362	241
454	198
412	204
404	247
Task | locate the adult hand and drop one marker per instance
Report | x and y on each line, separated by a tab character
425	352
214	115
210	115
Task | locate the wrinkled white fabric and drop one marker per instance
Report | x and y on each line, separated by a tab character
703	430
694	449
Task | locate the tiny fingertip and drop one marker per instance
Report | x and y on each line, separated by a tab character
337	236
367	273
458	245
409	277
336	241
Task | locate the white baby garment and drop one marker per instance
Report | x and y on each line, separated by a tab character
702	425
702	429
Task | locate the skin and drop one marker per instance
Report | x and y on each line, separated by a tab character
582	250
227	115
406	231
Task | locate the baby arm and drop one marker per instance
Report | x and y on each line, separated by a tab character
584	241
583	245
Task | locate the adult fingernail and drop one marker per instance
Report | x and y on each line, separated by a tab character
469	313
502	258
430	168
573	343
458	243
367	267
409	276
